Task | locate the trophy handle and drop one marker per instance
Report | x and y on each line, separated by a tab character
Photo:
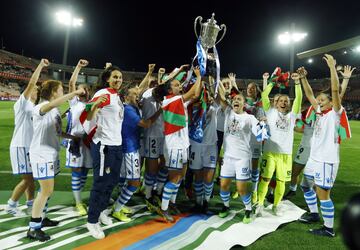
222	27
199	18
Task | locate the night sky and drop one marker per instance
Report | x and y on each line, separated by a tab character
132	34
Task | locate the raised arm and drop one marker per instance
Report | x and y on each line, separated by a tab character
34	78
58	101
161	72
296	107
232	78
265	97
346	77
95	107
335	96
195	89
265	79
72	82
307	88
144	85
175	72
222	95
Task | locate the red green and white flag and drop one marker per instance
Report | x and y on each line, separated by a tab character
344	131
90	126
173	114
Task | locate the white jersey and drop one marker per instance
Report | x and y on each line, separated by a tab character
281	131
23	131
210	135
109	119
45	143
307	135
180	138
324	143
220	117
148	108
76	108
237	135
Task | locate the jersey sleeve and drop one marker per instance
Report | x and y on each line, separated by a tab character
265	97
296	108
254	125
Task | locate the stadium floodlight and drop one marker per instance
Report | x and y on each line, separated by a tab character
310	60
66	18
286	37
357	49
290	38
77	22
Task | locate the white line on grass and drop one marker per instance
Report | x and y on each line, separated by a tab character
61	174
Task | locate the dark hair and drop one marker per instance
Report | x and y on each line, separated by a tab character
104	76
258	90
46	89
160	91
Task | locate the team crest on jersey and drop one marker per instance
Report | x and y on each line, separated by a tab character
317	127
282	123
107	170
235	127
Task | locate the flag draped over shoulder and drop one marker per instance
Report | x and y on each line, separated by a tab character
344	127
197	118
173	114
90	126
343	130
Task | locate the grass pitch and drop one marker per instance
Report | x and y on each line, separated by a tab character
290	236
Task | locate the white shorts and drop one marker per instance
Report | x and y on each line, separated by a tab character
255	150
130	166
84	160
20	160
153	147
43	171
202	156
176	158
238	168
324	174
302	155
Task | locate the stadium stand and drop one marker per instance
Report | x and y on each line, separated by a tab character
16	70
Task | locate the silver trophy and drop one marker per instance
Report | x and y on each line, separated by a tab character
209	61
209	31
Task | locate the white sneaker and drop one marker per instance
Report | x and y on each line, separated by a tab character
95	230
259	210
104	219
14	211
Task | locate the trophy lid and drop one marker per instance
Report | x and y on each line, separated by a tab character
212	19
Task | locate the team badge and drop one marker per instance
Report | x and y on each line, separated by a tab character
107	170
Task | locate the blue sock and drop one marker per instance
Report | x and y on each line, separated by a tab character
255	179
161	178
247	201
208	188
225	196
149	183
124	197
76	185
169	189
311	200
327	211
199	191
